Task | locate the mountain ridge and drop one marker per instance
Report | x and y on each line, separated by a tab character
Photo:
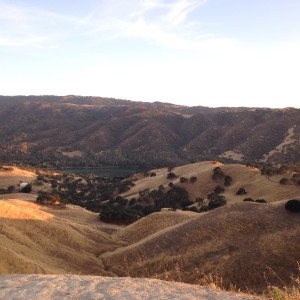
94	131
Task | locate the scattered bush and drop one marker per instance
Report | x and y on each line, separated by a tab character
283	181
113	213
171	175
217	201
248	200
219	190
153	174
26	189
217	173
45	198
204	208
227	180
241	191
199	200
293	206
261	201
186	203
193	208
10	189
132	201
183	179
193	179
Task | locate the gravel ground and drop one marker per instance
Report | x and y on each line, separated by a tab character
92	287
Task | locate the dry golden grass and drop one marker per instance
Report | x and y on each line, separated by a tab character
286	291
34	240
236	242
14	177
154	223
257	186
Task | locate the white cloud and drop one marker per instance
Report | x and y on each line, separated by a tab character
153	21
179	10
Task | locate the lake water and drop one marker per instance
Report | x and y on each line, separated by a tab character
103	171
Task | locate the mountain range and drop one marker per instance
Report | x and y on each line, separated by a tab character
93	131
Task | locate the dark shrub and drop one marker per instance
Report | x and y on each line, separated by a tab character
261	201
193	179
3	191
241	191
152	174
10	189
26	189
203	208
212	196
171	184
218	189
132	201
293	206
199	200
183	179
283	181
186	203
227	180
217	202
171	175
149	210
193	208
248	199
217	173
117	214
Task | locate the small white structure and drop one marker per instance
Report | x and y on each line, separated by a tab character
23	184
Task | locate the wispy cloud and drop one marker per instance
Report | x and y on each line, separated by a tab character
161	23
158	22
22	25
179	10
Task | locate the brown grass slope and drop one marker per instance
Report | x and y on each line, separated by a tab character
236	242
156	222
36	241
14	177
257	186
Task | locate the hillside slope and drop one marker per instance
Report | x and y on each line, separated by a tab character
256	185
34	240
237	242
80	131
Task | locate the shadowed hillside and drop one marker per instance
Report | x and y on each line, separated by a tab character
237	242
80	131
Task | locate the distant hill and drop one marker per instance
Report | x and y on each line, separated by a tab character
80	131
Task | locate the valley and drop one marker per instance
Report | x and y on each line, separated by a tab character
242	242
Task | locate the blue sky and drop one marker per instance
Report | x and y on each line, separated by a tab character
205	52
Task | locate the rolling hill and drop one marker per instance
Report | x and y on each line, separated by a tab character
243	243
256	185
